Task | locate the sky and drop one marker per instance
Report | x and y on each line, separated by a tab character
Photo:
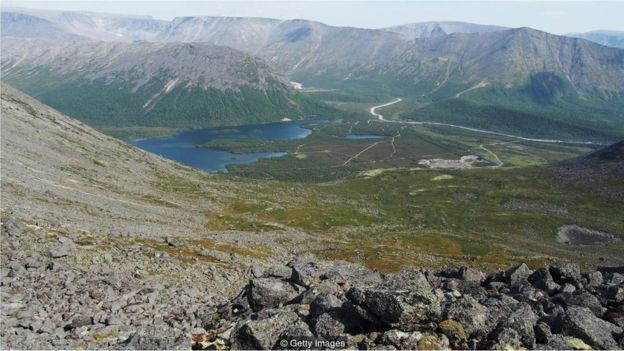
557	17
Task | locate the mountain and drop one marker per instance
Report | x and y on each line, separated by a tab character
24	22
285	45
434	29
312	51
603	37
172	85
510	80
21	25
603	164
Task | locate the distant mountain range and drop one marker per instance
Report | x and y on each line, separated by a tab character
604	37
23	22
448	70
435	29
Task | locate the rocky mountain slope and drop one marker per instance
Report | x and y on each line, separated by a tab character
98	237
174	85
434	29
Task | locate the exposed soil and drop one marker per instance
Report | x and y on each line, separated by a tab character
575	235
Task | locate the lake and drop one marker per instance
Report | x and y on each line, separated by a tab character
183	148
363	136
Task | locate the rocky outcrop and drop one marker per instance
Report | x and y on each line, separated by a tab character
341	305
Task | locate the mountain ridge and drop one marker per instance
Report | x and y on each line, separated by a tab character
439	28
172	85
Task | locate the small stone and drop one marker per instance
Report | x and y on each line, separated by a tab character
576	343
60	251
81	322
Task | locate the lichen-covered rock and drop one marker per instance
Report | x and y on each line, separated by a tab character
296	337
522	320
327	327
429	342
580	298
580	322
470	314
401	340
453	330
593	279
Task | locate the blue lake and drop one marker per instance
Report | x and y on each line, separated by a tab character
183	148
363	136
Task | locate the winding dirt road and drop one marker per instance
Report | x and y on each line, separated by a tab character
380	116
552	141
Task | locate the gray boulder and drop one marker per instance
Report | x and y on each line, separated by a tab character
593	279
297	337
471	274
59	251
278	271
270	293
327	327
566	272
581	298
81	322
310	273
518	273
613	294
581	322
522	321
261	334
403	301
324	303
542	280
469	313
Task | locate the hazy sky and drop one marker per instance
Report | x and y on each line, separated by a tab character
553	16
